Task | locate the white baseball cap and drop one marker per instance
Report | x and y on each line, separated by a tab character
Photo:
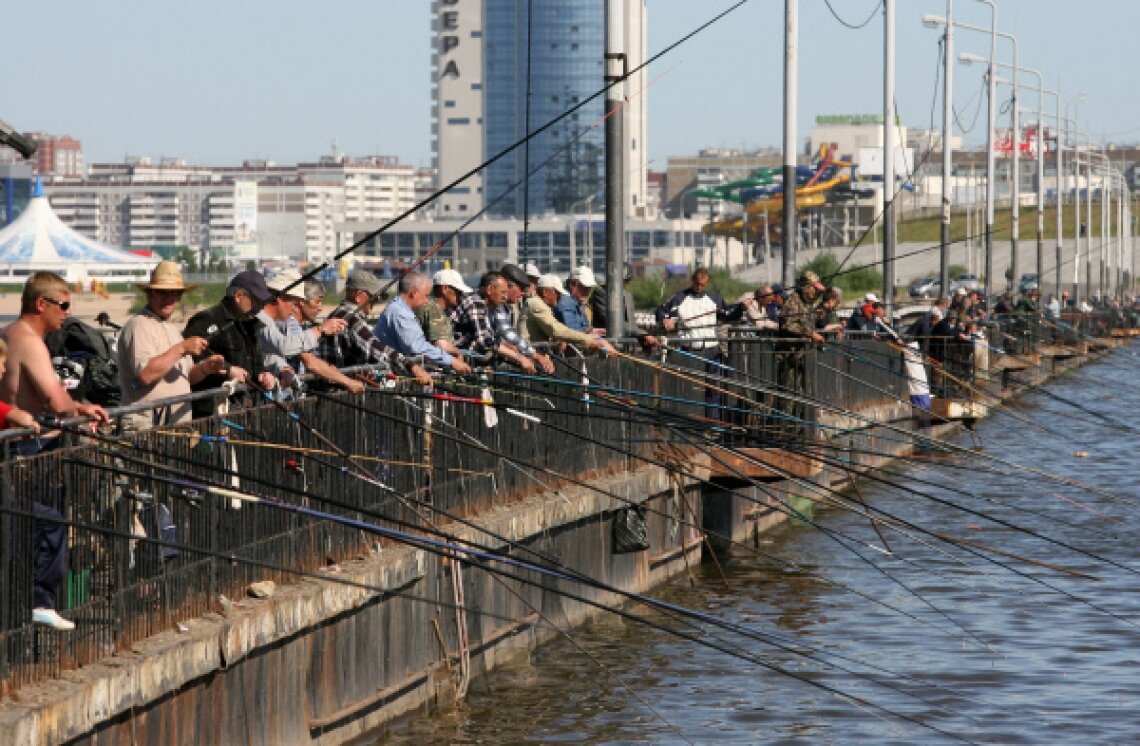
450	278
551	281
584	275
871	298
531	270
287	278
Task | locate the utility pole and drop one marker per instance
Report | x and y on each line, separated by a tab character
615	75
947	134
790	231
889	156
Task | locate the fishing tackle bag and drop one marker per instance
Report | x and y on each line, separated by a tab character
85	363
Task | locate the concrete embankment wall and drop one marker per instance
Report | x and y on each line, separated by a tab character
321	662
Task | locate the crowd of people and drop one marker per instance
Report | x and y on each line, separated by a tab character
268	333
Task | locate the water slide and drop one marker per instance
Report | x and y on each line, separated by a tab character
762	195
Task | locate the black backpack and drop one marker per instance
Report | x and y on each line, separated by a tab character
85	364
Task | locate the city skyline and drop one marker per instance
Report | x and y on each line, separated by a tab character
209	83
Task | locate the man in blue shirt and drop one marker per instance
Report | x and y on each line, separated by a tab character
571	309
399	328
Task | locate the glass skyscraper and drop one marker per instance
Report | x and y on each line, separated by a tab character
481	56
566	67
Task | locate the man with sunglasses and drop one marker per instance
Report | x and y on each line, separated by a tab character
230	330
30	383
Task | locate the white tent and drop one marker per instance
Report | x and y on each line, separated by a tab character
38	240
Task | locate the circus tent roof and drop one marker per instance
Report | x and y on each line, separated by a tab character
39	240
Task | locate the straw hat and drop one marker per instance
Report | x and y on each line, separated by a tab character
166	276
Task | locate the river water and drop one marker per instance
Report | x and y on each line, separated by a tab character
969	650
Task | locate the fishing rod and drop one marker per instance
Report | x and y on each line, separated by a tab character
353	508
698	528
487	560
1046	538
916	437
795	513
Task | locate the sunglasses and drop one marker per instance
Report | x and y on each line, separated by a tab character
63	305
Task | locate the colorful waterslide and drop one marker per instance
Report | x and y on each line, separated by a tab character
762	195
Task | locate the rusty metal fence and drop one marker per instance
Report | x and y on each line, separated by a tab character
415	459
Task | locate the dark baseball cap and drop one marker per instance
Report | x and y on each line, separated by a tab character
514	273
252	282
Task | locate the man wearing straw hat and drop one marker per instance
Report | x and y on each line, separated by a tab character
154	359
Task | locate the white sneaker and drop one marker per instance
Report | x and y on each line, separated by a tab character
51	618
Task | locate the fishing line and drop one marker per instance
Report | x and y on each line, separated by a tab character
485	559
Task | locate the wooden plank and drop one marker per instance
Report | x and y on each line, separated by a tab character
763	464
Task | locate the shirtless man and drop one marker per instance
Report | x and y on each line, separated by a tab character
30	382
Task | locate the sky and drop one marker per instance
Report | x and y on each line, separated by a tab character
218	81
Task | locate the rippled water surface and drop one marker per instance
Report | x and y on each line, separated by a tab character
936	643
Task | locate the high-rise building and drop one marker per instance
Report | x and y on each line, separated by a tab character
498	73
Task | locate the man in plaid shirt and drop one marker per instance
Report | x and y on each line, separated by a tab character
474	323
357	345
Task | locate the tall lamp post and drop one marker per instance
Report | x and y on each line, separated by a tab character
933	20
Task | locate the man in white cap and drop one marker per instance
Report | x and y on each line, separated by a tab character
544	327
434	316
398	327
154	358
572	309
288	347
276	335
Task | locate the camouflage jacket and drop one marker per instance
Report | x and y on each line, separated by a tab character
797	317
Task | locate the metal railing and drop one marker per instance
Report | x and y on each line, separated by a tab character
414	460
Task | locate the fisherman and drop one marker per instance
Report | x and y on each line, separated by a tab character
572	309
923	329
155	360
599	318
761	309
357	345
544	327
797	329
290	340
283	355
827	316
230	329
29	383
695	312
1028	305
862	321
434	316
505	316
1053	308
399	328
518	290
471	319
